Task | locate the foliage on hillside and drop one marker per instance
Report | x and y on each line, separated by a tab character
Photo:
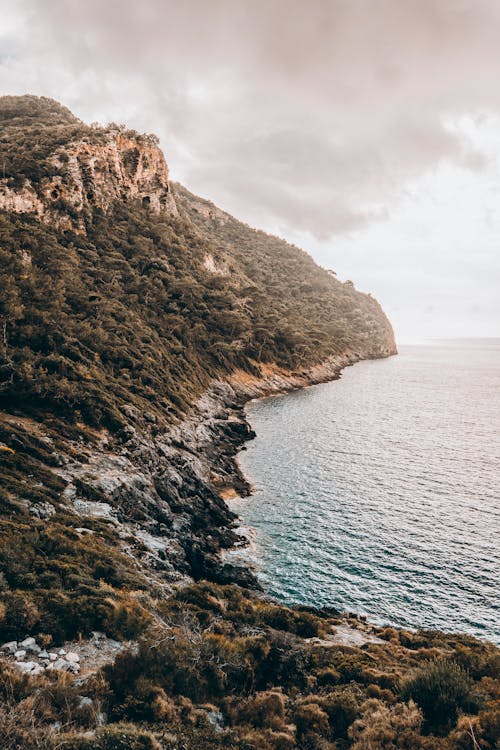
33	129
144	311
302	313
125	314
129	313
223	669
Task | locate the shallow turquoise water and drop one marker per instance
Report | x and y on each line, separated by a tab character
379	493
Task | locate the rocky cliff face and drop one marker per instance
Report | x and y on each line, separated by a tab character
86	175
128	351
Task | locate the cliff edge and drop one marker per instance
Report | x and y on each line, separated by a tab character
136	320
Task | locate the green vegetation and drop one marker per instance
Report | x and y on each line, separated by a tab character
441	689
128	314
212	672
301	313
138	314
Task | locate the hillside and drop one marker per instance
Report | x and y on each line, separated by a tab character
136	320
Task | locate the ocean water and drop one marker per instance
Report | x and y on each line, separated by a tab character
380	493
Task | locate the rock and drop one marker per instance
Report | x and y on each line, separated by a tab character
93	176
30	667
73	667
20	654
61	665
216	719
42	510
132	412
28	643
72	657
52	656
128	432
10	647
84	701
61	652
43	655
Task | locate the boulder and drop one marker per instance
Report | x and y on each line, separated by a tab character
72	657
28	643
61	665
30	667
10	647
20	654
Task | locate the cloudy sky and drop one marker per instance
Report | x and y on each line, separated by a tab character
366	131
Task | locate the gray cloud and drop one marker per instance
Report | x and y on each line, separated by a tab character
295	115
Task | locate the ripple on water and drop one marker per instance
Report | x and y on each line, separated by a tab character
379	493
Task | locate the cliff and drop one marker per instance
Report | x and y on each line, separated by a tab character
136	320
85	168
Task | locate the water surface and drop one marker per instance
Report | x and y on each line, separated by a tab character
379	493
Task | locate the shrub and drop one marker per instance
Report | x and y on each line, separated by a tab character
114	737
342	707
441	689
266	709
310	719
389	728
307	625
327	676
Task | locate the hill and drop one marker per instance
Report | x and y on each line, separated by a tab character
136	319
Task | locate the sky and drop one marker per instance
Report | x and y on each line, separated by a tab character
365	131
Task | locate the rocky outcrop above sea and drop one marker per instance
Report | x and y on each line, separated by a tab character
91	174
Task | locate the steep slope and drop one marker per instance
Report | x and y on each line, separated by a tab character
135	321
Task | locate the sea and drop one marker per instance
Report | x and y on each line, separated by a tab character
379	493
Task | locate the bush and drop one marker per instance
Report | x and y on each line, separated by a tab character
441	689
266	709
310	719
114	737
389	728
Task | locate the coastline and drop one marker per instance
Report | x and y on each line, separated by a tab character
162	491
229	481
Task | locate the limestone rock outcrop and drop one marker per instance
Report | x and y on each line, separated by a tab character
87	175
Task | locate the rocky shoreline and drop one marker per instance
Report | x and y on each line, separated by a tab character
217	430
163	491
160	491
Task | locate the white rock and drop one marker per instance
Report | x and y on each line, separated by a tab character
43	655
20	654
52	656
73	667
10	647
30	667
61	652
28	643
61	664
72	657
